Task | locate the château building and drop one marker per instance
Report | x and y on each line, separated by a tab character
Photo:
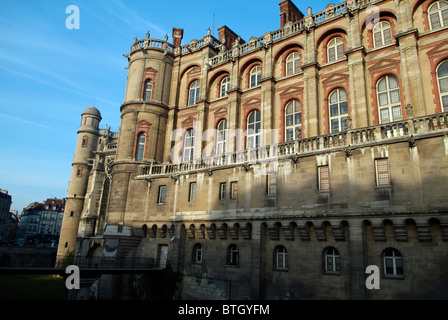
276	167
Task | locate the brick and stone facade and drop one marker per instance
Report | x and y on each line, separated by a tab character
346	168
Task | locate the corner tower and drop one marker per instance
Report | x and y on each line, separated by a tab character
87	143
144	115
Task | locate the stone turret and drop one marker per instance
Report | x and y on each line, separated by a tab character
87	143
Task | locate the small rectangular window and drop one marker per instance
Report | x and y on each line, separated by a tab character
234	190
162	194
222	191
324	178
192	192
382	172
271	184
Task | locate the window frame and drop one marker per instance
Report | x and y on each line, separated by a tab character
193	92
380	29
340	116
233	256
197	254
221	137
323	172
295	127
161	194
255	77
222	190
188	145
439	12
224	87
255	132
335	260
234	190
280	255
192	191
292	63
140	146
333	44
390	106
382	176
442	95
147	90
394	258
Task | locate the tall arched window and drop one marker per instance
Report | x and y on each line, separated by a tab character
197	253
438	15
148	90
253	129
255	76
393	262
442	80
338	110
388	93
382	34
221	137
280	258
293	64
193	96
188	150
233	255
335	49
332	260
293	120
139	151
225	86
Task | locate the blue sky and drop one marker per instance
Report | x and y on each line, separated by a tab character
49	74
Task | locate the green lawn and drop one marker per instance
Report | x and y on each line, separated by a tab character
31	287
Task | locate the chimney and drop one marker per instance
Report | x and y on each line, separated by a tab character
289	12
178	34
226	36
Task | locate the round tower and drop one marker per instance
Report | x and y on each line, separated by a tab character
144	116
87	143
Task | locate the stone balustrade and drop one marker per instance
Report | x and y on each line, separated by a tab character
404	130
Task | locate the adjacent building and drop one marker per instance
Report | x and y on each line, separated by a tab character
40	223
5	206
276	167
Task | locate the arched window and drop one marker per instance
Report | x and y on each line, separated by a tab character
393	262
335	49
442	80
280	258
253	129
293	120
255	76
85	141
382	34
188	150
332	260
193	96
148	90
388	93
293	64
233	258
141	141
197	253
438	15
225	86
221	137
338	110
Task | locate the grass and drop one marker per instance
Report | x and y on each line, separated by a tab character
31	287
